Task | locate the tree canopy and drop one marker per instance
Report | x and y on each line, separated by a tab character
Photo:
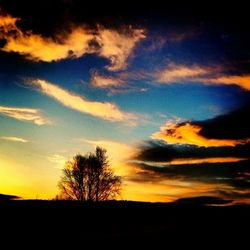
89	178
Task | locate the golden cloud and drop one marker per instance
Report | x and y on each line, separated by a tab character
195	73
24	114
178	73
116	46
206	160
104	110
8	23
38	48
14	139
187	133
183	161
243	81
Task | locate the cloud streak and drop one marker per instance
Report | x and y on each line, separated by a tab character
14	139
166	153
104	110
232	174
184	74
241	80
119	82
178	73
24	114
101	81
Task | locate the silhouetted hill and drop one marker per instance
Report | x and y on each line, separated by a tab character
6	197
124	221
203	200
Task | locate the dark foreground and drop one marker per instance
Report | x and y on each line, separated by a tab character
125	222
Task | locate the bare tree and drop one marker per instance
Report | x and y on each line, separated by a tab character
89	178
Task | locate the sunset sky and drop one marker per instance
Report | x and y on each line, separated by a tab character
165	90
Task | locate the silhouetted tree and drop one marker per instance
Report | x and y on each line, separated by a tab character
89	178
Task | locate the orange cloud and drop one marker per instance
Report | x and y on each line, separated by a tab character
242	81
14	139
8	23
101	81
24	114
195	161
206	160
116	46
187	133
178	73
38	48
195	73
104	110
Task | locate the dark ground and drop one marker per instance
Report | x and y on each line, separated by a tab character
125	222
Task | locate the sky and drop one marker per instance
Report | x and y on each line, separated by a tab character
165	89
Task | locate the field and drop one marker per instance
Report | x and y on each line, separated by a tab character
122	221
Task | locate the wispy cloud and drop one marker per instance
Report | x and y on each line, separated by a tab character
104	110
14	139
178	73
116	46
119	82
58	160
177	37
214	75
102	81
25	114
188	133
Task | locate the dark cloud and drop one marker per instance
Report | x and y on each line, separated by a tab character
6	197
48	13
155	159
234	125
234	174
234	194
159	152
203	200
